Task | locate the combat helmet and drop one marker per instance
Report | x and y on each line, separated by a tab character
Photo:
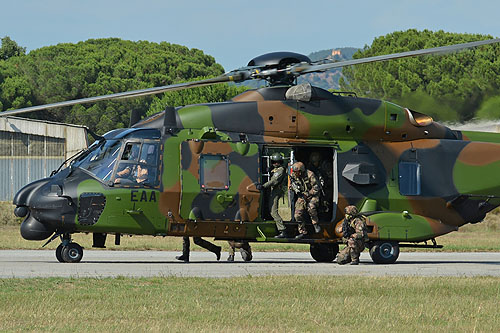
276	158
315	158
351	210
298	167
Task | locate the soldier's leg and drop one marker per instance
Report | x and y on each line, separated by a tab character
355	249
344	256
207	245
300	210
312	210
185	250
245	251
274	203
232	245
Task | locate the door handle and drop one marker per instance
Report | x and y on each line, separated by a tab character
134	212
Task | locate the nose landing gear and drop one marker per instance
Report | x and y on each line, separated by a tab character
68	251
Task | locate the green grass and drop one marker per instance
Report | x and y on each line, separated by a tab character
255	304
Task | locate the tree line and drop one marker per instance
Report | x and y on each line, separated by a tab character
452	87
104	66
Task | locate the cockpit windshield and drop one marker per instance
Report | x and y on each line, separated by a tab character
101	159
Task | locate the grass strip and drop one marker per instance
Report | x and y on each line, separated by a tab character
257	304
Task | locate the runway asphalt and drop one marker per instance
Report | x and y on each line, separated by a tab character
97	263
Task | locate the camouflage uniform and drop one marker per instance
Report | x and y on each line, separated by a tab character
200	242
356	241
316	165
305	185
245	250
276	183
324	174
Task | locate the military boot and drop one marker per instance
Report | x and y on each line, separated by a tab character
354	262
300	236
217	252
317	228
282	234
246	255
185	250
230	258
183	257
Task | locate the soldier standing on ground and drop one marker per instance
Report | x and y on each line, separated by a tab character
245	250
355	235
305	186
276	183
200	242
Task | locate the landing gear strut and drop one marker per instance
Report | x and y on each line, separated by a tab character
68	251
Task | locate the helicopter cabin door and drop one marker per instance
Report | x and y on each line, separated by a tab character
133	200
218	181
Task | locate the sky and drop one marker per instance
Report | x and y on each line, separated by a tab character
234	31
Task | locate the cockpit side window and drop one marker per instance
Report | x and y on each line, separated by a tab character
131	151
138	165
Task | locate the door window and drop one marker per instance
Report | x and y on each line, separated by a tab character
409	178
214	172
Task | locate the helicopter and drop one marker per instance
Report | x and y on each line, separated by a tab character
413	178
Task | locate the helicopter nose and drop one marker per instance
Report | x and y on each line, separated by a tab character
43	206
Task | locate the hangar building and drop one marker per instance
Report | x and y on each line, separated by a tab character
31	149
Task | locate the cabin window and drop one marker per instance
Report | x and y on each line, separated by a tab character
138	165
409	178
214	172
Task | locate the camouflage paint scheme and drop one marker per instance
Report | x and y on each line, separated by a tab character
370	138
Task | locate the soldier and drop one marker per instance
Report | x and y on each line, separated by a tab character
200	242
355	235
277	185
315	165
305	186
245	250
323	171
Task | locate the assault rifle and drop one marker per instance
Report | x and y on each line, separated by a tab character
296	187
347	230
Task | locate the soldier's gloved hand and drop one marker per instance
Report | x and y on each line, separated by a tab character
259	186
294	187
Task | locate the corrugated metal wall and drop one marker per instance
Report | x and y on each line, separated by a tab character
25	158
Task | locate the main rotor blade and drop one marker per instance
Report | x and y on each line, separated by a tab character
304	68
231	76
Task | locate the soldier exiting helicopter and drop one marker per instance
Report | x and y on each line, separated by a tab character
305	185
277	185
200	242
323	171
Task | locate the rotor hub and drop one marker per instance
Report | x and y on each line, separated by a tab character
274	63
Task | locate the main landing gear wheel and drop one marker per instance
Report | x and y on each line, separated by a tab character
72	253
59	253
384	252
324	252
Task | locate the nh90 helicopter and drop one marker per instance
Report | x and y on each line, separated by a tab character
413	178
